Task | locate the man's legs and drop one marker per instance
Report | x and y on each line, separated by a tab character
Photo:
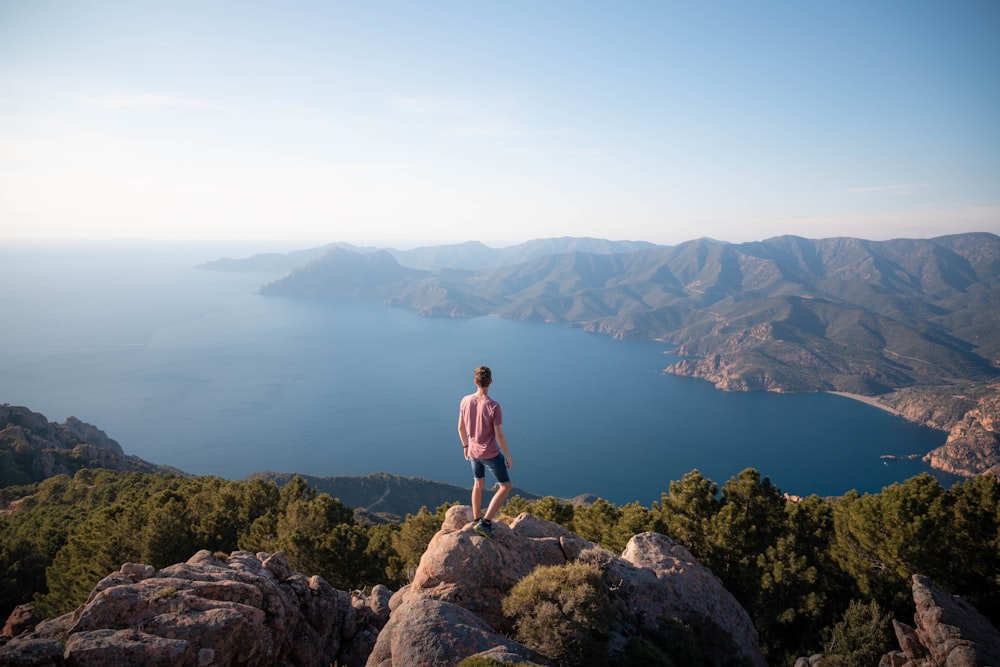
496	503
477	497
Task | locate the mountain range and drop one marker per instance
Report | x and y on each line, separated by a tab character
785	314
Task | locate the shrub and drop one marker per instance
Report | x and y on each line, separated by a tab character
863	635
562	612
480	661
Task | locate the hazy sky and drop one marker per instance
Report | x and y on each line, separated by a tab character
421	122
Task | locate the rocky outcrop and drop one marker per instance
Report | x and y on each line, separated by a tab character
22	619
429	633
245	609
973	445
252	609
32	448
948	632
653	582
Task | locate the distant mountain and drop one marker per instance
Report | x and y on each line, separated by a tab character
469	256
276	261
784	314
342	272
32	448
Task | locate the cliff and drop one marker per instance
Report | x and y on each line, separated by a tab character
971	416
251	609
32	448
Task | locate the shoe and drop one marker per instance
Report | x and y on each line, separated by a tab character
484	530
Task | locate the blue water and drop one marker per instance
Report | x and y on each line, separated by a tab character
193	369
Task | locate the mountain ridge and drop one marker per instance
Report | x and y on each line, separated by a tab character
786	314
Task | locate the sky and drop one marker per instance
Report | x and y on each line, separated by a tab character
419	123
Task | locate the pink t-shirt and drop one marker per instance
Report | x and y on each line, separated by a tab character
480	414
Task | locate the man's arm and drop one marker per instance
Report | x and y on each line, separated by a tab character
463	435
502	440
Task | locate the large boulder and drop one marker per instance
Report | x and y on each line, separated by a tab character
463	568
432	633
949	632
661	579
653	582
247	609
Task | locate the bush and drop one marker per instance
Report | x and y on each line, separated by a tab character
562	611
863	635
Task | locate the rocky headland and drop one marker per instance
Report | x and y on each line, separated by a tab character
971	416
32	448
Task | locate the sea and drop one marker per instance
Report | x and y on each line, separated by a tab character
195	369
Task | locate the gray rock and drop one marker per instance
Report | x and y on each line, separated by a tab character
949	632
653	581
205	612
21	620
430	633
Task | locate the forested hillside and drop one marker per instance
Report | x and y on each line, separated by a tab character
796	566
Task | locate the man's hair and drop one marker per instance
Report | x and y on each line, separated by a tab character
483	375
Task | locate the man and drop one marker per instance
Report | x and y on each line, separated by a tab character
480	428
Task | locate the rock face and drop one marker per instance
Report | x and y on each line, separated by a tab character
973	445
655	581
248	610
949	632
32	448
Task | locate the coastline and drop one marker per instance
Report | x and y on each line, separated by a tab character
867	400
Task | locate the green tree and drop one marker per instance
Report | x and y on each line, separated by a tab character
167	537
750	519
319	536
413	537
883	539
972	524
596	522
801	587
687	510
633	519
552	509
381	550
516	504
96	548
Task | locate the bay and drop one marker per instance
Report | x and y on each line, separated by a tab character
194	369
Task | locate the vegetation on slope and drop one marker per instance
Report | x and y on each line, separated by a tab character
795	566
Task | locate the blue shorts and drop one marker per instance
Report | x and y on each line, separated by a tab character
498	464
